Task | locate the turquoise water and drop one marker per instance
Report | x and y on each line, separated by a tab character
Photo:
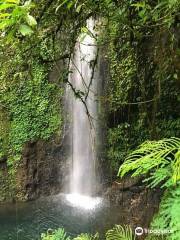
25	221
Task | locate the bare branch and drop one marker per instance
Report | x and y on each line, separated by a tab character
92	75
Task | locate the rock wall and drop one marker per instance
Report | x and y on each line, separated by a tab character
135	203
40	173
4	183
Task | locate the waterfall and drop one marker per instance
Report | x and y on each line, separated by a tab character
83	113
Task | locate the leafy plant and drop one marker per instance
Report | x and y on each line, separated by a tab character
162	12
160	158
168	217
14	16
58	234
116	233
86	236
69	4
120	233
34	109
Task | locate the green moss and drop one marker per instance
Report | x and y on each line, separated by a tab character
34	108
31	111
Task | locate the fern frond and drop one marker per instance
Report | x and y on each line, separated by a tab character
58	234
159	176
169	214
120	233
86	236
162	160
153	155
176	168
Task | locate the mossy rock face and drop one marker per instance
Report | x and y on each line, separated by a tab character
5	189
41	172
4	132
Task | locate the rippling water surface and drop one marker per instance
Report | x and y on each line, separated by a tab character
25	221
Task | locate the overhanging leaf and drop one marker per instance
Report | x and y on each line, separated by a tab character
6	6
13	1
25	30
31	20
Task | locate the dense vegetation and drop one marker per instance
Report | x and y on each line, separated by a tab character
161	160
143	92
116	233
139	40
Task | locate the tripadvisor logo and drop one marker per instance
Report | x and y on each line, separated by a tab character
140	231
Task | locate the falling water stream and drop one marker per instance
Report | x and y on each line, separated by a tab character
83	111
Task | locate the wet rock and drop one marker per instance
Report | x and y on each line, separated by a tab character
41	171
135	203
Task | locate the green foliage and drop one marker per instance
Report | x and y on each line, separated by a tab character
58	234
118	144
25	30
85	236
161	13
120	233
168	216
162	160
4	129
69	4
122	74
122	139
34	109
15	17
142	88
